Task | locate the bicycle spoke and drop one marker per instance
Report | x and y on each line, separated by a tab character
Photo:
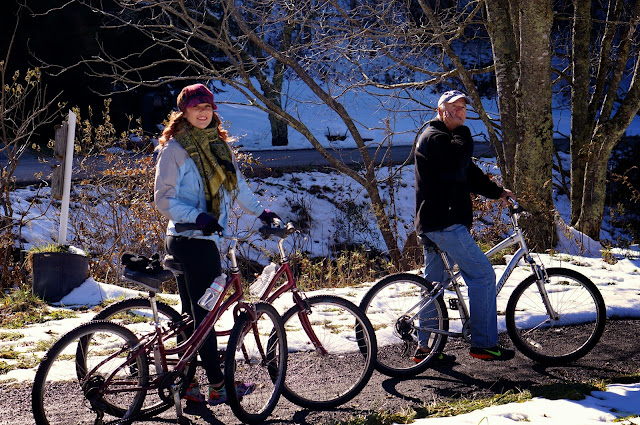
86	374
579	317
334	371
259	353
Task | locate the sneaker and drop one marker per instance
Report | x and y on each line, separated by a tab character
193	393
219	396
493	353
439	359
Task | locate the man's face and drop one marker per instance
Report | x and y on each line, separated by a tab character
457	109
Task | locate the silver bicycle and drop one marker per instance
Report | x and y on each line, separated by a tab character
554	316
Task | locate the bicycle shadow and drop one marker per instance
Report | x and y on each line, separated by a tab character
449	382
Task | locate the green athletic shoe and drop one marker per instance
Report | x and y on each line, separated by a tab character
493	353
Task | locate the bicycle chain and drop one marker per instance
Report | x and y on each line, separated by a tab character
147	415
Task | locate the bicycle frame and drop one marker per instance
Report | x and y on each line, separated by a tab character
189	348
515	238
284	269
153	342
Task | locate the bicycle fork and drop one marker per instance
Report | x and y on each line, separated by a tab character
541	279
303	316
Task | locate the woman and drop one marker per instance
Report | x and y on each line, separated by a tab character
197	180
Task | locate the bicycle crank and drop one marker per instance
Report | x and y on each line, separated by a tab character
92	389
404	328
170	382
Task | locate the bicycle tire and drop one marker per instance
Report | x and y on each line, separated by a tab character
322	381
265	367
136	315
386	305
57	396
581	312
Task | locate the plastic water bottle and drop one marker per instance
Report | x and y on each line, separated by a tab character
210	298
257	288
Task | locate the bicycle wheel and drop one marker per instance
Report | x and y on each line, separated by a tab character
389	305
136	315
580	320
318	380
78	381
259	350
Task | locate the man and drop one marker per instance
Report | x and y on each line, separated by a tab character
445	178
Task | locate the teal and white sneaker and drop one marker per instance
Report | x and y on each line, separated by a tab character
219	396
193	393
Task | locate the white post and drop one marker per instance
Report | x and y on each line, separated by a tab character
66	190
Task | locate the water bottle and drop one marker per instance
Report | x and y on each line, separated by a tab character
210	298
257	288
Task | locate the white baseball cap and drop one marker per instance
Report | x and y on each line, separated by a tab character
453	95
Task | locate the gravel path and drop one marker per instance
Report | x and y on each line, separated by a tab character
617	353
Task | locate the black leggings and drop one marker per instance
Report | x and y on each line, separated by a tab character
200	260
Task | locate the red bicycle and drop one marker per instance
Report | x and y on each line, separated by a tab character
332	345
102	368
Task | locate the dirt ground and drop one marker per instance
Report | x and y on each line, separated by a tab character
617	354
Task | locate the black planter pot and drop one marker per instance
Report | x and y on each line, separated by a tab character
55	274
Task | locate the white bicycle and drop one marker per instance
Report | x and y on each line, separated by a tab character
554	316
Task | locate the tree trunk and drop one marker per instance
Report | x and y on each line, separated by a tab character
581	121
592	208
533	172
505	58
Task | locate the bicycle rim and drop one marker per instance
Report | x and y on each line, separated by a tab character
77	377
387	306
581	317
136	315
321	380
259	350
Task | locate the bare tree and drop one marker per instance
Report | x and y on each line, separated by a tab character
403	51
24	109
260	43
521	39
605	98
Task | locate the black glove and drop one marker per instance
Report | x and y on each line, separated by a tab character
269	217
208	224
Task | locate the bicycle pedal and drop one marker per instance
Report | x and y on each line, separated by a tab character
453	303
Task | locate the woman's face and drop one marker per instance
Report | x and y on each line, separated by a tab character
200	115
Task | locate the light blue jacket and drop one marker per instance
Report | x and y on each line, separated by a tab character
179	192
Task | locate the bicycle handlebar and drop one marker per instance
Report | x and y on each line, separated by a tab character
515	208
266	231
183	227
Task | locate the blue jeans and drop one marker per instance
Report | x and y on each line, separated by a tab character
478	274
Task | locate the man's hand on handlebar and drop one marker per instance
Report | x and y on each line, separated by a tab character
270	218
507	197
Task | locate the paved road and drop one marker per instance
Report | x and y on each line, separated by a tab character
33	169
616	356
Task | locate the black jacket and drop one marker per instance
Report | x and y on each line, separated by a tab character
445	178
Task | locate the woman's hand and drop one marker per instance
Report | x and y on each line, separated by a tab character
208	224
270	218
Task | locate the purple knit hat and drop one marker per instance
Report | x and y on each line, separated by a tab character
195	94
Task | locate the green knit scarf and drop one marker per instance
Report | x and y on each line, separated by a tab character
212	156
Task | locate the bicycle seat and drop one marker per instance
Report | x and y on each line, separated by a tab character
428	243
149	281
172	264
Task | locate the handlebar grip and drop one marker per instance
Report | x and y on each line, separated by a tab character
183	227
267	231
